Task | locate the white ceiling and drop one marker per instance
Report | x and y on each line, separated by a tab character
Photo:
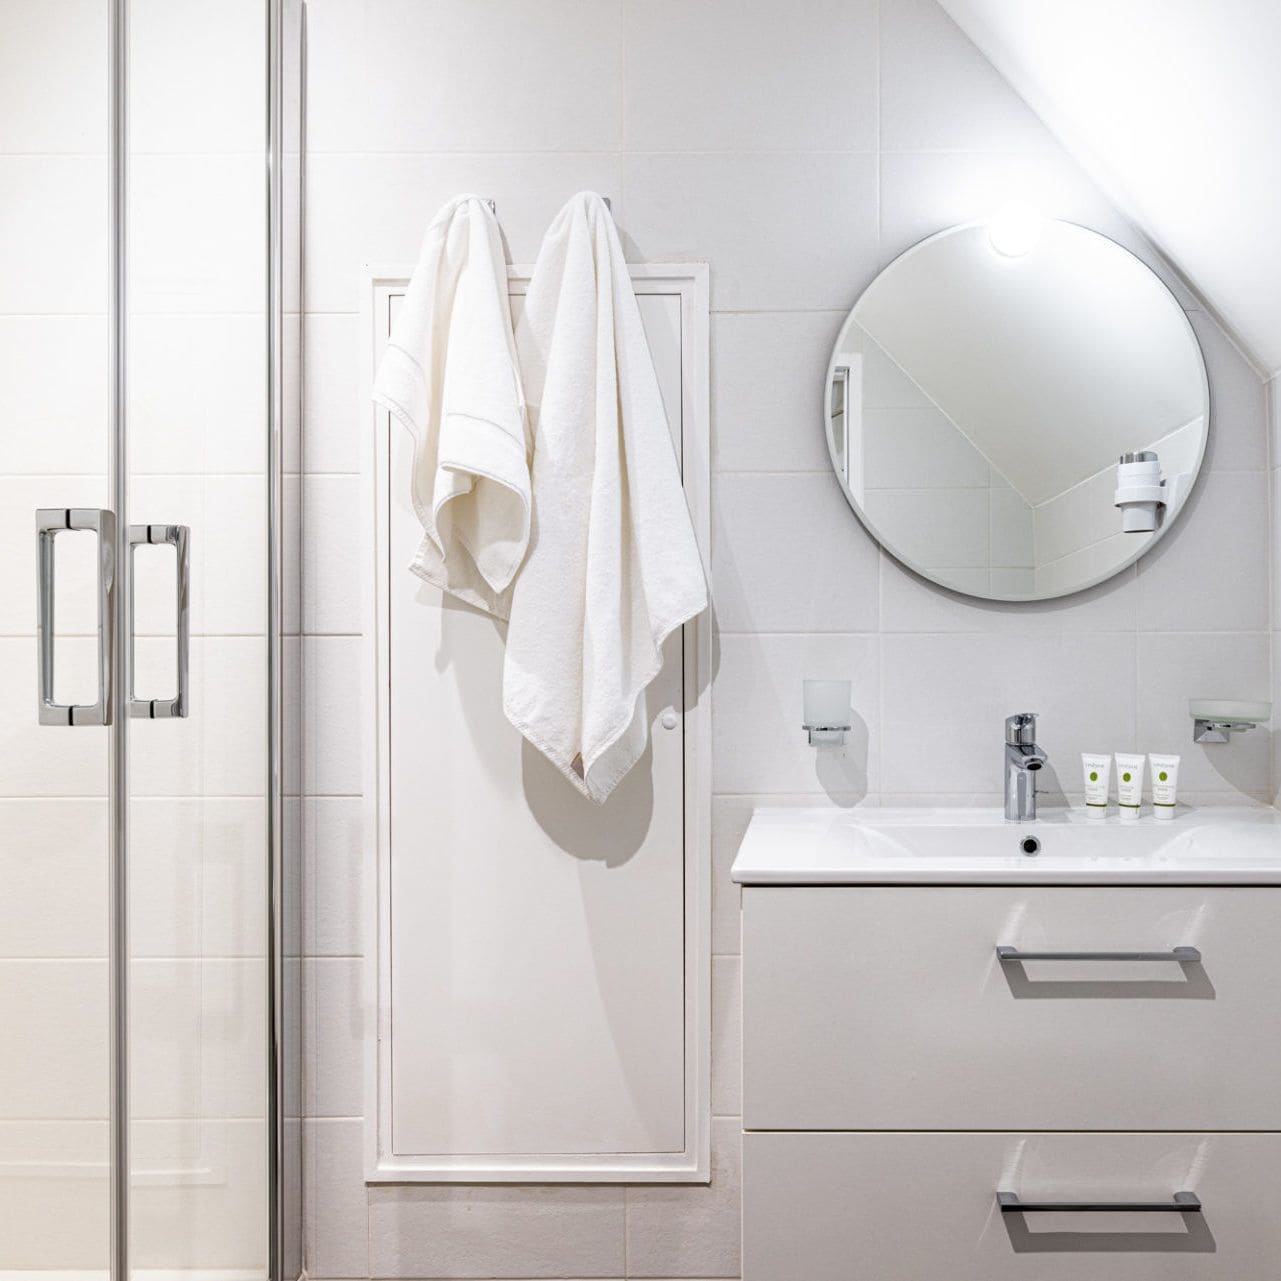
1173	106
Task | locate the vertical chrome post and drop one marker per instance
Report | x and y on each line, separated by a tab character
275	629
118	769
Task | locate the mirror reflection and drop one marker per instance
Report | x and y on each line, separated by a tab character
1017	409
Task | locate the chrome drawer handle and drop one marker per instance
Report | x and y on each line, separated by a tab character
1181	1202
1182	955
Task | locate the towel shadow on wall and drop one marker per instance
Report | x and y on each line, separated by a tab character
575	824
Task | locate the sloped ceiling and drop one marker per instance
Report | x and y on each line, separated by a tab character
1174	107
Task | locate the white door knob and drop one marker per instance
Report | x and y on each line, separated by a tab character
669	719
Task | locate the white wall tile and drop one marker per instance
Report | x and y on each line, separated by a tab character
293	702
757	742
475	1231
47	760
55	1068
197	235
1274	492
917	445
691	1232
53	865
53	76
962	687
334	1041
910	604
198	873
59	202
1238	401
1065	522
53	1221
49	434
196	1028
768	375
221	748
227	516
730	817
374	209
1210	572
335	434
766	575
727	1036
334	863
385	76
333	558
291	603
197	76
781	231
1009	529
938	92
332	716
197	394
935	528
219	1225
1175	667
1273	389
746	75
335	1217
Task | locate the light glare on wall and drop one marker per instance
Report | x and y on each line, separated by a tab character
1015	229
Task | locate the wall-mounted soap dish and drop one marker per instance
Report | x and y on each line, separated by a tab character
1214	719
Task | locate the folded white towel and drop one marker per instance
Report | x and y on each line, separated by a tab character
450	376
613	565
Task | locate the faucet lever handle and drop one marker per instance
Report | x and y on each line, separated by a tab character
1020	729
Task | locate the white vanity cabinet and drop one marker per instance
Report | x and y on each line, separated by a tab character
899	1074
886	1008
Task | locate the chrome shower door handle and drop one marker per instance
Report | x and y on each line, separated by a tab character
50	522
179	538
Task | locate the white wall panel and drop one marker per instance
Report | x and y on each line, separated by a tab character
541	985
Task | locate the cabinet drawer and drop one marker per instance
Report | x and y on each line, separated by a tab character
887	1008
922	1207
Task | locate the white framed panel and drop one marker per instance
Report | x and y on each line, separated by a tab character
538	970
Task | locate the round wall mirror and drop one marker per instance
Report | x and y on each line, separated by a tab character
1017	409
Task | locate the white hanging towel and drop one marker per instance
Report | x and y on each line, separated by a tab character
613	566
450	376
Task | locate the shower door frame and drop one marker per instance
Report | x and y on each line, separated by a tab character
118	695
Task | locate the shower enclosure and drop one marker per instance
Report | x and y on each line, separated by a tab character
145	993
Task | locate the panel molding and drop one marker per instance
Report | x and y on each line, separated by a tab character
689	282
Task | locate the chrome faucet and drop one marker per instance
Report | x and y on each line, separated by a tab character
1022	759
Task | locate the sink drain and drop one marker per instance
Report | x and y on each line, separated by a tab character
1030	845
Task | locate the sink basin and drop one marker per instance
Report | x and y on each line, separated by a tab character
1210	846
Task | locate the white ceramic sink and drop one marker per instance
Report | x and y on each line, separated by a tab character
979	847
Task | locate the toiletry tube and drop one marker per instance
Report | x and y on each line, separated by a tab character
1165	781
1097	768
1129	783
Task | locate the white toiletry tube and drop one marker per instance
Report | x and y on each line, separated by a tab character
1165	782
1129	783
1097	768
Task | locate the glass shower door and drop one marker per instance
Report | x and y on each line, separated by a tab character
198	973
54	1005
184	810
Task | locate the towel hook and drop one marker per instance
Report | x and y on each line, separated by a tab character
493	205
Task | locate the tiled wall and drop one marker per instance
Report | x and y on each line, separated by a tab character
797	148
